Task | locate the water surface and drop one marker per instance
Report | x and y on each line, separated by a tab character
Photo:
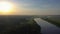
46	27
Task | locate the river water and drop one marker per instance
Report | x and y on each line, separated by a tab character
46	27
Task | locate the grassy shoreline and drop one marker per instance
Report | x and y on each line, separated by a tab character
55	22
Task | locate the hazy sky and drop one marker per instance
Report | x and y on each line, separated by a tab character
37	7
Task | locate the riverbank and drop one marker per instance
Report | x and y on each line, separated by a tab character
53	20
47	27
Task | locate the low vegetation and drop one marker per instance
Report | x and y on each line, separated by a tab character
18	25
53	20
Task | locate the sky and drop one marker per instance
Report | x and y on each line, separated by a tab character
37	7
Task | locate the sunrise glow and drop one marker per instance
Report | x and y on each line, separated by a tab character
6	7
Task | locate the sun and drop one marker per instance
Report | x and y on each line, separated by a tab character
6	7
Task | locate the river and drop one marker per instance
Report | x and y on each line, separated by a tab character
46	27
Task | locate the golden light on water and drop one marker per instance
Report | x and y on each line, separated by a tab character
6	7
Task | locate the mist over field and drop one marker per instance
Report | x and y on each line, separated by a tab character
29	16
35	24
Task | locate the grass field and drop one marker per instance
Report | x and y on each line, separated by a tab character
18	25
53	19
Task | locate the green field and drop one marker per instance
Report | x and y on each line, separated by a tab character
14	24
53	20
